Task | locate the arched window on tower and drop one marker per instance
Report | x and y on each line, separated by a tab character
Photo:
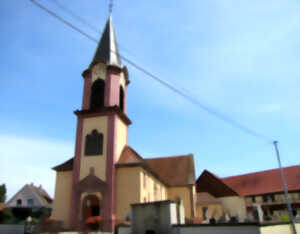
94	143
97	95
121	98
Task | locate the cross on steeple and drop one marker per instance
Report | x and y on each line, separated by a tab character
110	6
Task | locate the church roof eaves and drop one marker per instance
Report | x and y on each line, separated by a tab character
65	166
105	111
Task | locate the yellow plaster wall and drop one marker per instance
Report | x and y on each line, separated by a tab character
183	193
194	198
279	229
99	71
123	81
121	137
148	181
234	206
127	189
99	161
213	211
62	197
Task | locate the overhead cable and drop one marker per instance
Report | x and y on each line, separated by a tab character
77	17
183	94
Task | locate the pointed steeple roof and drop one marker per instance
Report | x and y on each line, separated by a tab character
107	50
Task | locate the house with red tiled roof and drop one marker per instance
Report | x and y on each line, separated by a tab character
106	175
256	196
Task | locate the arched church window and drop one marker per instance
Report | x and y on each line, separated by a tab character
97	95
94	143
121	98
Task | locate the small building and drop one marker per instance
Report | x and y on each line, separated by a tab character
156	217
31	197
255	196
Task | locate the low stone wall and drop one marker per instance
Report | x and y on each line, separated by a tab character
205	229
279	229
123	229
79	233
11	229
217	229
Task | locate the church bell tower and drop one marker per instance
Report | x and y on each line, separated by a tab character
102	133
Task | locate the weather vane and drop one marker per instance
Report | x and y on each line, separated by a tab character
110	6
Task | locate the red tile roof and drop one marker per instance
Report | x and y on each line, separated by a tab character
129	155
173	171
208	182
264	182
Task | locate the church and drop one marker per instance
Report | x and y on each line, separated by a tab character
106	175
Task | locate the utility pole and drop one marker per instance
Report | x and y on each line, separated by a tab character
287	200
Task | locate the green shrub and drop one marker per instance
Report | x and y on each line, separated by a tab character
5	216
21	213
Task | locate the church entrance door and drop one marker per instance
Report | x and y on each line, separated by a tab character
90	207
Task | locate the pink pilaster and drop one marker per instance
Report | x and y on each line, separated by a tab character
74	208
112	87
109	213
87	89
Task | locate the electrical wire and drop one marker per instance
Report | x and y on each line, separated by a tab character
83	21
75	16
168	85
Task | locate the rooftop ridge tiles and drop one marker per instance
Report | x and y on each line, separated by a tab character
259	172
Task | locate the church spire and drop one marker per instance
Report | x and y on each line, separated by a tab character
107	50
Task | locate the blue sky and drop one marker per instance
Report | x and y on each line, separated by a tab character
238	57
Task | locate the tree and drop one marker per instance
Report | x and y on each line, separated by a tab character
2	193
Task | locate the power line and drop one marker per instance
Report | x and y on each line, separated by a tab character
80	19
186	96
64	21
83	21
